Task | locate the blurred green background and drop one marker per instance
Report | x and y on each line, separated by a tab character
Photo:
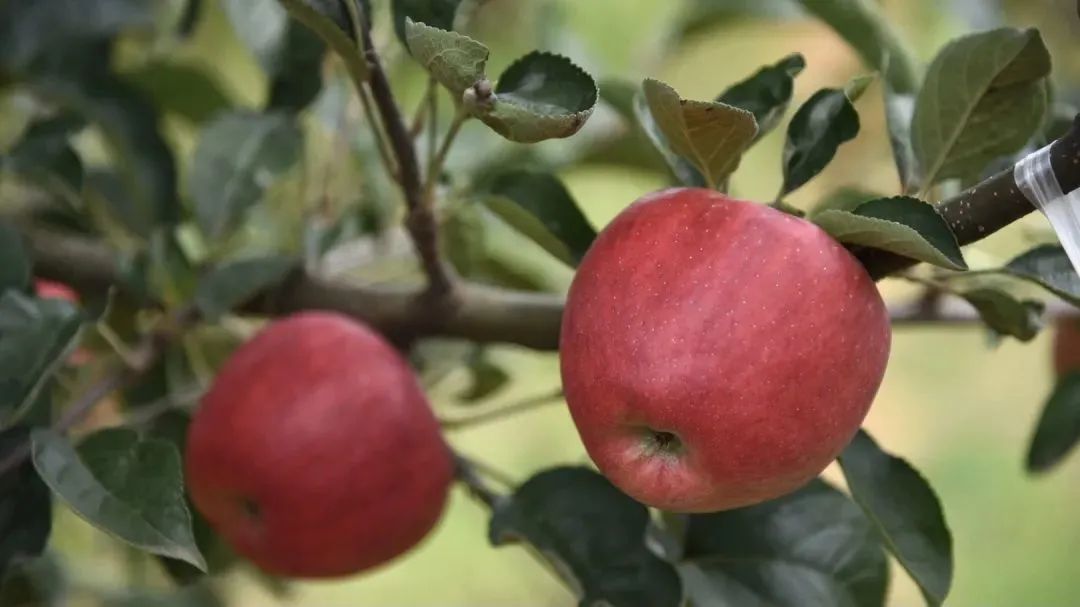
954	404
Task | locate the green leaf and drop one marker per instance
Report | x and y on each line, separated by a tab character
540	96
811	547
899	109
767	93
30	30
701	15
992	79
593	535
14	261
817	130
232	284
44	155
902	225
330	21
1058	429
36	336
711	135
1006	314
682	169
138	151
435	13
25	505
539	206
456	61
188	92
131	489
905	512
868	30
238	156
1049	267
487	377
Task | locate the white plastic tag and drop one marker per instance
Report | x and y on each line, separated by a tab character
1035	177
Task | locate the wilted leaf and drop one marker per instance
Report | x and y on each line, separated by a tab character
25	505
14	262
131	489
767	93
456	61
812	547
984	96
234	283
540	96
238	156
36	335
905	512
902	225
539	206
593	534
436	13
1058	429
817	130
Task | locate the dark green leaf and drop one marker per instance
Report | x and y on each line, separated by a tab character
168	273
595	533
1049	267
436	13
30	29
44	155
237	157
38	582
288	51
812	547
330	20
711	136
540	96
767	93
539	206
131	489
456	61
1003	84
1058	430
845	199
14	261
129	124
1006	314
184	90
817	130
232	284
36	336
25	505
905	512
902	225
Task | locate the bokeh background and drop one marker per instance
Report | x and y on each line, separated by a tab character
955	403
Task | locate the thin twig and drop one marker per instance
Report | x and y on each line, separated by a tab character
438	159
422	108
466	472
421	220
527	404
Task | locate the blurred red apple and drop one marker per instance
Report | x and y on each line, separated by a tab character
1066	345
718	353
315	453
48	289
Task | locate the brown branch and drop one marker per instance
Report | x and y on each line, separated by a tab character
502	412
421	221
989	206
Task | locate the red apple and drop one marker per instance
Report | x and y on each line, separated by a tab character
718	353
1067	346
315	454
48	289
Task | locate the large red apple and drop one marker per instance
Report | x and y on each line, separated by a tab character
315	453
1067	346
718	353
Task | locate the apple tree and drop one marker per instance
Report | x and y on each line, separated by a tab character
221	304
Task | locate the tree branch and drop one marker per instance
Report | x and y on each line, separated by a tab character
421	221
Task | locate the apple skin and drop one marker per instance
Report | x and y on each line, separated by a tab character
48	289
1066	349
718	353
315	453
